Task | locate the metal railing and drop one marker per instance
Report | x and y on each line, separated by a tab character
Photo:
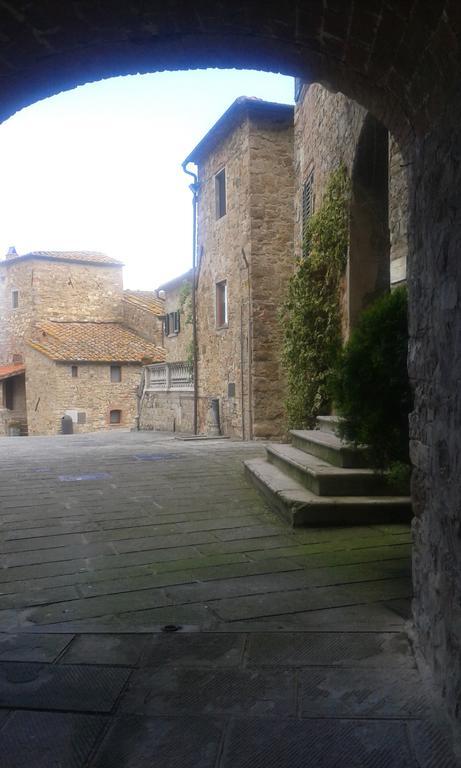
169	377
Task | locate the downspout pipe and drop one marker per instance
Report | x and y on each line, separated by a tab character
194	188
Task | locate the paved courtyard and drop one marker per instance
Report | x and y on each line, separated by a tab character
286	648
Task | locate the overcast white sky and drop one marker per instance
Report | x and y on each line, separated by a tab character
99	167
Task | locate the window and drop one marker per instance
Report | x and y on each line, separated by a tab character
81	417
115	417
221	304
308	201
116	374
15	299
172	324
220	192
74	371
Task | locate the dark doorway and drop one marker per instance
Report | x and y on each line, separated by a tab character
369	251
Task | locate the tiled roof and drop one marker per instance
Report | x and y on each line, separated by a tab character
13	369
90	257
146	300
93	342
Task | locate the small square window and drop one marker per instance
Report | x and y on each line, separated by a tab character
15	299
74	371
116	374
220	193
115	417
221	304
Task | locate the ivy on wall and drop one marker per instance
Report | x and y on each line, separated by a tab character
311	314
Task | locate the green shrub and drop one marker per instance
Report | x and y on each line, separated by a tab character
370	386
310	314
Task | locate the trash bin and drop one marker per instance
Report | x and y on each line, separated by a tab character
67	425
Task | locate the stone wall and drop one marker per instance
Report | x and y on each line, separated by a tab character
143	322
52	290
272	263
92	393
250	248
328	129
221	352
434	280
167	411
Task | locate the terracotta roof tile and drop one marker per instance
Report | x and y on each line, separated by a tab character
91	257
93	342
146	300
13	369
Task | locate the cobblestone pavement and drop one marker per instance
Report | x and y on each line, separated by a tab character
288	647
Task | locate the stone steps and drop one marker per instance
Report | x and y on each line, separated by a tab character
323	478
328	424
319	480
300	506
329	447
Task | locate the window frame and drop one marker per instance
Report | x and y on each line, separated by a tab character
220	182
221	304
307	203
74	371
15	298
172	323
114	368
119	420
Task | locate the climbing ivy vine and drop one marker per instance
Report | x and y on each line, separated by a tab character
311	314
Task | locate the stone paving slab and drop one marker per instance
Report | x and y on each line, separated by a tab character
45	740
199	650
38	648
317	744
177	691
361	649
362	693
140	742
46	686
124	650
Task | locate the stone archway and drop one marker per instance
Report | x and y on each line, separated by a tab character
369	247
402	62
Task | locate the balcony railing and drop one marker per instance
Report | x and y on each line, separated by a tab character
169	377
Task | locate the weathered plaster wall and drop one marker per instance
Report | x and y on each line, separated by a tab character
178	345
92	392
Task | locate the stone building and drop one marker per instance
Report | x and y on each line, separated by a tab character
331	129
402	62
167	401
71	342
245	256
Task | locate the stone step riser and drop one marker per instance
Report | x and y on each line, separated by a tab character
330	485
323	515
347	458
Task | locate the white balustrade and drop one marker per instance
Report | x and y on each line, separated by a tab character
167	377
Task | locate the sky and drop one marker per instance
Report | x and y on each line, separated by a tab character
99	167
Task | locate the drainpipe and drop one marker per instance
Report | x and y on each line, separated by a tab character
194	188
250	349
